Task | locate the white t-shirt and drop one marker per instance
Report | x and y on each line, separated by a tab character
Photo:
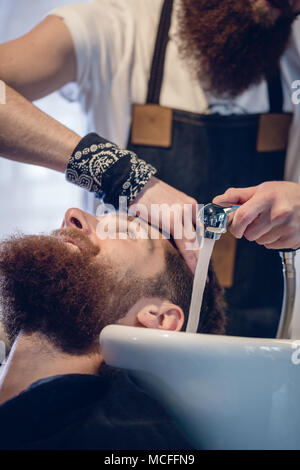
114	42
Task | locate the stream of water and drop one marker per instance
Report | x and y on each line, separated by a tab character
205	253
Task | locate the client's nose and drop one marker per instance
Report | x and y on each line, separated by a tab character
74	218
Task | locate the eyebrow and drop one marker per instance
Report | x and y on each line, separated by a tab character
169	240
131	218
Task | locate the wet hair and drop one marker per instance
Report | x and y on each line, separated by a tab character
177	280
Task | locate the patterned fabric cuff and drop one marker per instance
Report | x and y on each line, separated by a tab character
99	166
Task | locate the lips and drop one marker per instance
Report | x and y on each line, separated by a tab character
76	240
71	241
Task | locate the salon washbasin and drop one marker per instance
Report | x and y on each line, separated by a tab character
225	392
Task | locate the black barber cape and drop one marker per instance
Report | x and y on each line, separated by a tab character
79	411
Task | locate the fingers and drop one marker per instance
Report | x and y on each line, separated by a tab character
194	205
173	212
274	235
284	243
263	227
235	196
247	213
269	213
188	250
139	210
185	237
280	237
190	241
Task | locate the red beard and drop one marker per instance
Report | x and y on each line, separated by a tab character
47	288
230	45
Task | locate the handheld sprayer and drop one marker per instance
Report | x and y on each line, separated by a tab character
213	219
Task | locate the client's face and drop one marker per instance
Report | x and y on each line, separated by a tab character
69	285
123	243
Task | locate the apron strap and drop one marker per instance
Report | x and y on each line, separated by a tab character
158	61
275	92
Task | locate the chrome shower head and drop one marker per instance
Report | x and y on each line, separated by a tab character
214	220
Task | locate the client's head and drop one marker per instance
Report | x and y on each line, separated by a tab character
68	286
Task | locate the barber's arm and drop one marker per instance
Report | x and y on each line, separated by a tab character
41	61
32	66
37	64
269	213
28	135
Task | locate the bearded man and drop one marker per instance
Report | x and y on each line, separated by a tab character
57	294
200	89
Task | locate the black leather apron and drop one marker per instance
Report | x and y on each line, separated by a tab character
206	154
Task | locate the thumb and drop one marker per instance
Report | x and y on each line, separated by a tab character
235	196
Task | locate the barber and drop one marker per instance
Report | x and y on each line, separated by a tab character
28	135
232	142
269	214
200	144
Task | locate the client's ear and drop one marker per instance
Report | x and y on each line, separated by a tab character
166	316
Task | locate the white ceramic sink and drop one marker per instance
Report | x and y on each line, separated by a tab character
225	392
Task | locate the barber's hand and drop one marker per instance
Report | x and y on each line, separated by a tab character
172	201
269	215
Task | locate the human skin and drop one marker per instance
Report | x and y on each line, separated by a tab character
30	136
119	244
269	213
33	356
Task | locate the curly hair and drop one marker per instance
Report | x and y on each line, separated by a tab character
176	285
229	45
69	297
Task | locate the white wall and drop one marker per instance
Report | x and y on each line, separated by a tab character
33	199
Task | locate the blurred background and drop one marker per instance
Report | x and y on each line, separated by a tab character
33	199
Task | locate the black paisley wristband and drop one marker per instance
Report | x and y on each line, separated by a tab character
99	166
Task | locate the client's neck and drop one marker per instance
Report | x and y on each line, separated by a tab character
33	357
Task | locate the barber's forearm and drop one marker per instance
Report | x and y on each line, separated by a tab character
30	136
